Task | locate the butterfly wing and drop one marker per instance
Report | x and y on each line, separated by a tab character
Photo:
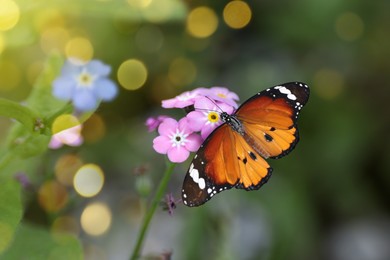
225	160
270	118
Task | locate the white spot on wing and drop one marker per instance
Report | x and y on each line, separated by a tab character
291	97
202	183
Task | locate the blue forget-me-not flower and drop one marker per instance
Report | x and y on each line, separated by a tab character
85	84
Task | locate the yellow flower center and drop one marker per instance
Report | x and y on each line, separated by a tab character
213	117
221	95
85	79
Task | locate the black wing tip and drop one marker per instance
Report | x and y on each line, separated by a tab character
263	181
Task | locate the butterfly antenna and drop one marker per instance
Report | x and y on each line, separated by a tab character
215	103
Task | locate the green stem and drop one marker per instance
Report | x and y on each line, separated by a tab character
149	214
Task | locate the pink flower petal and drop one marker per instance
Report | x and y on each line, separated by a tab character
208	129
196	120
184	126
167	126
178	154
194	142
162	144
152	123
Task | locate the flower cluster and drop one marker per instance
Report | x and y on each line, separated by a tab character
203	106
85	84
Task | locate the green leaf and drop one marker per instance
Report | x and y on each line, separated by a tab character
33	242
10	211
18	112
41	98
33	140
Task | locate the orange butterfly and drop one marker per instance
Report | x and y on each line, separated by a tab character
265	126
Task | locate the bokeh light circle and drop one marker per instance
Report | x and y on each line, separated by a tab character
80	48
88	180
66	167
54	39
182	71
149	38
9	14
52	196
64	122
96	219
132	74
237	14
328	83
202	22
94	128
65	224
349	26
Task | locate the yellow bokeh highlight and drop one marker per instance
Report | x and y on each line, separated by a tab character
149	38
64	122
54	39
9	14
328	83
10	75
65	224
349	26
96	219
66	167
132	74
48	18
139	3
182	72
202	22
52	196
88	180
237	14
6	232
158	11
94	129
79	48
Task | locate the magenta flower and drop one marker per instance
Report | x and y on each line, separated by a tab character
223	95
185	99
176	139
152	123
206	116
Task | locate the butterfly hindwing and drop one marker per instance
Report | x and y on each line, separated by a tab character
202	180
223	161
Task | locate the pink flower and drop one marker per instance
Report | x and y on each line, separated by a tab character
206	116
223	95
185	99
176	139
71	136
152	123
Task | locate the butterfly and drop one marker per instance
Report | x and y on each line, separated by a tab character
233	155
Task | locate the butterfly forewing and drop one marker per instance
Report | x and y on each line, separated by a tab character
270	118
233	154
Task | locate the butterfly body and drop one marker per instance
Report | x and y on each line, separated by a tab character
234	154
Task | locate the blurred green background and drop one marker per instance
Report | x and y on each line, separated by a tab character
329	199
